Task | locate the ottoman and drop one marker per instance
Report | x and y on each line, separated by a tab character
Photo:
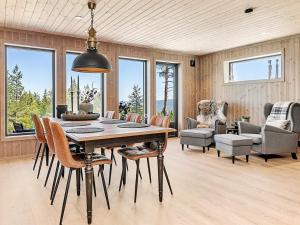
196	137
233	145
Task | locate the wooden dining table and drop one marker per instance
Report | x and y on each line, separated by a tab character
114	136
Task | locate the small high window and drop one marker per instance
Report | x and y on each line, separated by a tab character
264	67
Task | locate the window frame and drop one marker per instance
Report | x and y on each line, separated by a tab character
102	79
228	63
36	48
145	81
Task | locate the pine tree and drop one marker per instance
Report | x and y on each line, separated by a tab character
136	100
167	72
15	88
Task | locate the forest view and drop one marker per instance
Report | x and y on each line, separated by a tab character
21	103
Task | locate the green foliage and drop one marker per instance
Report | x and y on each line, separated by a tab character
136	100
170	114
21	103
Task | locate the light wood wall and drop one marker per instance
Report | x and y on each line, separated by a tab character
249	98
19	146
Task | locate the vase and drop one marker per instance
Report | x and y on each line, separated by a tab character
86	107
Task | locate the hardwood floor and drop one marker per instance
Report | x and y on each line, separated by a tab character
207	190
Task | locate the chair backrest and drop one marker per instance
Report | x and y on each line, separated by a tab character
61	145
39	130
109	114
160	121
293	115
133	117
48	134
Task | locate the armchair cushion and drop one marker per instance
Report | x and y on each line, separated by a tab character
283	124
196	133
256	138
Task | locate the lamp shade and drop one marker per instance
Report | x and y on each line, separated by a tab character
91	62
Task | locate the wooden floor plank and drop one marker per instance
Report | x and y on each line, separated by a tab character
207	190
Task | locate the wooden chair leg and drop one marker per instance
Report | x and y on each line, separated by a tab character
122	174
182	147
203	149
99	171
47	154
37	156
110	167
81	174
168	181
113	156
54	179
233	158
65	197
56	185
41	162
104	188
125	171
149	170
136	178
49	169
78	181
94	184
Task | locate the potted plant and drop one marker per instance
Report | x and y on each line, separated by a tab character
124	109
245	118
86	98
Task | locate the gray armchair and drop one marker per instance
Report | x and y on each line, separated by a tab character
211	108
273	140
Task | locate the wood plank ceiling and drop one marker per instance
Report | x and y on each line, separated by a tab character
191	26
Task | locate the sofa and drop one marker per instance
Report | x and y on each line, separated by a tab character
273	138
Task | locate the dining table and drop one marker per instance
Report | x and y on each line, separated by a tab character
112	135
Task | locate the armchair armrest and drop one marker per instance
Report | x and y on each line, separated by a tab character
248	128
268	128
220	127
191	123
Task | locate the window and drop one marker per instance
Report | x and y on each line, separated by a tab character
266	67
132	86
29	87
167	91
87	81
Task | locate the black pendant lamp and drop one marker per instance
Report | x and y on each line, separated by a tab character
91	61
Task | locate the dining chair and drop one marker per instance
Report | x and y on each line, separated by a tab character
40	136
134	117
131	117
73	162
109	114
145	151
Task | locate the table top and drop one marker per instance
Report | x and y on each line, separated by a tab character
110	130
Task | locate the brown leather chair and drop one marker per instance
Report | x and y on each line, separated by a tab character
145	151
73	162
40	136
133	117
109	114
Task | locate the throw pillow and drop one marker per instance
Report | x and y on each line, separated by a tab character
282	124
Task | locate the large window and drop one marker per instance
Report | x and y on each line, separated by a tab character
87	82
29	87
132	86
266	67
167	91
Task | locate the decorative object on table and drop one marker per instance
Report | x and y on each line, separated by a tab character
60	109
76	117
245	119
113	121
91	61
84	130
75	124
133	125
124	109
86	98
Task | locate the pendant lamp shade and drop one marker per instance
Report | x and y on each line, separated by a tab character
91	61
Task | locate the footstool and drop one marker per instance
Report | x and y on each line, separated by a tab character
233	145
196	137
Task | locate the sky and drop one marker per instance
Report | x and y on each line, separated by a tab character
36	66
255	69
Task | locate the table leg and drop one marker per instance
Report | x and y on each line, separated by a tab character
160	166
89	182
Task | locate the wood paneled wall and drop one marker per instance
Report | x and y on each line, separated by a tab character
18	146
249	98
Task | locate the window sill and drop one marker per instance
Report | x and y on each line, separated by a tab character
253	82
19	137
